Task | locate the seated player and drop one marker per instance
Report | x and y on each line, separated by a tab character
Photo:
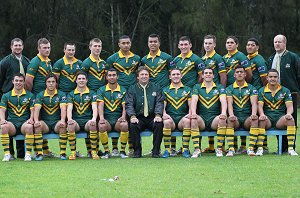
275	107
50	115
82	114
19	106
242	110
176	111
112	114
209	100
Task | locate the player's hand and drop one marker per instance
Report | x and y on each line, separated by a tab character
3	122
253	117
122	119
30	121
134	120
71	122
62	124
193	116
262	117
157	119
102	121
166	117
222	117
288	116
37	124
93	122
232	118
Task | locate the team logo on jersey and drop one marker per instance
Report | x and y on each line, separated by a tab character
172	63
87	98
133	62
211	63
247	92
189	63
184	93
216	92
280	96
232	61
160	61
221	64
245	62
287	66
25	100
154	93
255	91
94	97
261	69
201	66
119	95
77	67
57	99
64	99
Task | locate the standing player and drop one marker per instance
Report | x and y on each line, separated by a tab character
176	112
112	114
242	110
19	106
82	114
209	101
275	107
50	115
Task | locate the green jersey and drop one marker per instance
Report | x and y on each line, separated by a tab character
38	68
82	103
17	106
241	98
216	62
158	66
274	105
208	100
190	67
125	66
233	60
50	104
67	73
113	100
259	69
176	100
95	72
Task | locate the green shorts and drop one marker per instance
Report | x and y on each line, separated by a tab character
51	124
274	119
208	121
81	123
176	119
241	120
112	120
18	126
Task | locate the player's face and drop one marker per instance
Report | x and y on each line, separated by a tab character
231	45
240	74
81	81
184	47
209	45
125	44
251	47
44	49
143	77
69	51
112	77
272	78
17	48
18	82
96	48
175	76
51	84
208	75
279	44
153	44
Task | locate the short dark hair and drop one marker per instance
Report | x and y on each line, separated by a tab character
185	38
154	36
18	75
175	68
208	67
69	43
81	73
95	40
254	40
210	36
235	39
239	66
142	68
16	40
273	70
51	75
42	41
112	70
124	37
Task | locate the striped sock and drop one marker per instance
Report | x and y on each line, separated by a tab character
265	145
230	138
114	142
45	146
123	139
104	140
253	137
195	137
5	143
29	139
186	136
63	138
173	142
291	132
93	139
211	143
243	141
221	136
38	139
167	138
261	137
72	141
88	144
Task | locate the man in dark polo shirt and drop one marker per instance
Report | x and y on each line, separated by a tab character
12	64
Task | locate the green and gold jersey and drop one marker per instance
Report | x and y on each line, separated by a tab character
241	98
216	62
38	68
208	99
274	105
176	100
125	66
82	103
50	104
233	60
259	69
158	66
190	67
17	106
67	73
113	100
95	72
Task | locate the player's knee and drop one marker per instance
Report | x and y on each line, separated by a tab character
167	123
222	123
124	126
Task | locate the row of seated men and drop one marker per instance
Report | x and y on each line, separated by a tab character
158	63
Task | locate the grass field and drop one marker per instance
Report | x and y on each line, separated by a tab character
208	176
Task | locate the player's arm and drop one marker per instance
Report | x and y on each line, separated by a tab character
230	106
289	107
28	82
200	79
223	102
253	100
249	75
223	78
36	114
2	115
193	106
101	110
69	112
95	111
31	119
63	110
165	115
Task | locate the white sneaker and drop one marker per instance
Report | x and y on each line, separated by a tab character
173	152
197	153
219	153
27	158
230	153
250	152
105	156
6	158
123	155
115	153
292	152
259	152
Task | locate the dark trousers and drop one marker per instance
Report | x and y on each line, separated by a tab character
20	147
145	123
